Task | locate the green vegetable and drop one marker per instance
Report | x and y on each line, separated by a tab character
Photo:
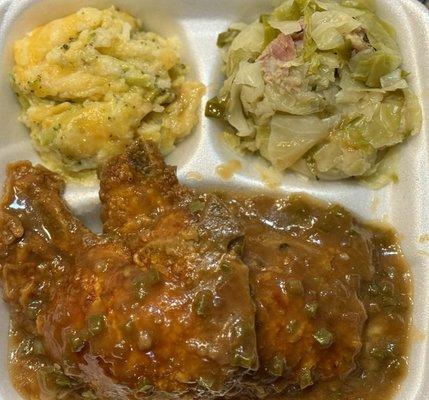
245	351
34	308
364	4
277	365
215	108
77	341
369	66
386	352
305	378
146	280
120	349
328	105
27	347
203	303
292	136
96	324
205	382
63	381
324	337
144	385
225	38
243	360
89	395
311	309
270	33
38	348
196	206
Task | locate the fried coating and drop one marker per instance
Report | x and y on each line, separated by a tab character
159	304
184	294
309	317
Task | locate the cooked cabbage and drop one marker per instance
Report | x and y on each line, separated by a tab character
317	87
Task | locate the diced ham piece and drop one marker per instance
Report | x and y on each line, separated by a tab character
280	49
275	56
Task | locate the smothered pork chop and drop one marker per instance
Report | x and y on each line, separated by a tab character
196	295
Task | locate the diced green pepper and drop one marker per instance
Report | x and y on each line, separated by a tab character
77	341
196	206
244	354
144	385
62	380
96	324
205	382
216	108
203	303
227	37
33	308
305	378
311	309
242	360
88	395
324	337
38	348
25	347
120	349
146	281
277	365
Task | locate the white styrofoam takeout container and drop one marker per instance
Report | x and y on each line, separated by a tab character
197	23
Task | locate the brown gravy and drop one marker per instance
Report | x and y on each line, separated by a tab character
333	303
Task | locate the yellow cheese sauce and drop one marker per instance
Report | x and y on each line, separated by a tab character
92	82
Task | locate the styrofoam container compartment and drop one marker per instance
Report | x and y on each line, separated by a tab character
196	23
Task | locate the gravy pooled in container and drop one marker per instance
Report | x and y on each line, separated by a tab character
197	295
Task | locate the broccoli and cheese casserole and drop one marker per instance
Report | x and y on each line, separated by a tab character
92	82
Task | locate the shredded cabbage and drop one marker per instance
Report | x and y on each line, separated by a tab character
317	87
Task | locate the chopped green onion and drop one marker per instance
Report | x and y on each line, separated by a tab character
324	337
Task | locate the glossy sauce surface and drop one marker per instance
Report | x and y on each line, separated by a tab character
198	295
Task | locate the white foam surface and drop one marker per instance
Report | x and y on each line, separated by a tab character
197	23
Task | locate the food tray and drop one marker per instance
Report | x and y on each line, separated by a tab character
197	23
